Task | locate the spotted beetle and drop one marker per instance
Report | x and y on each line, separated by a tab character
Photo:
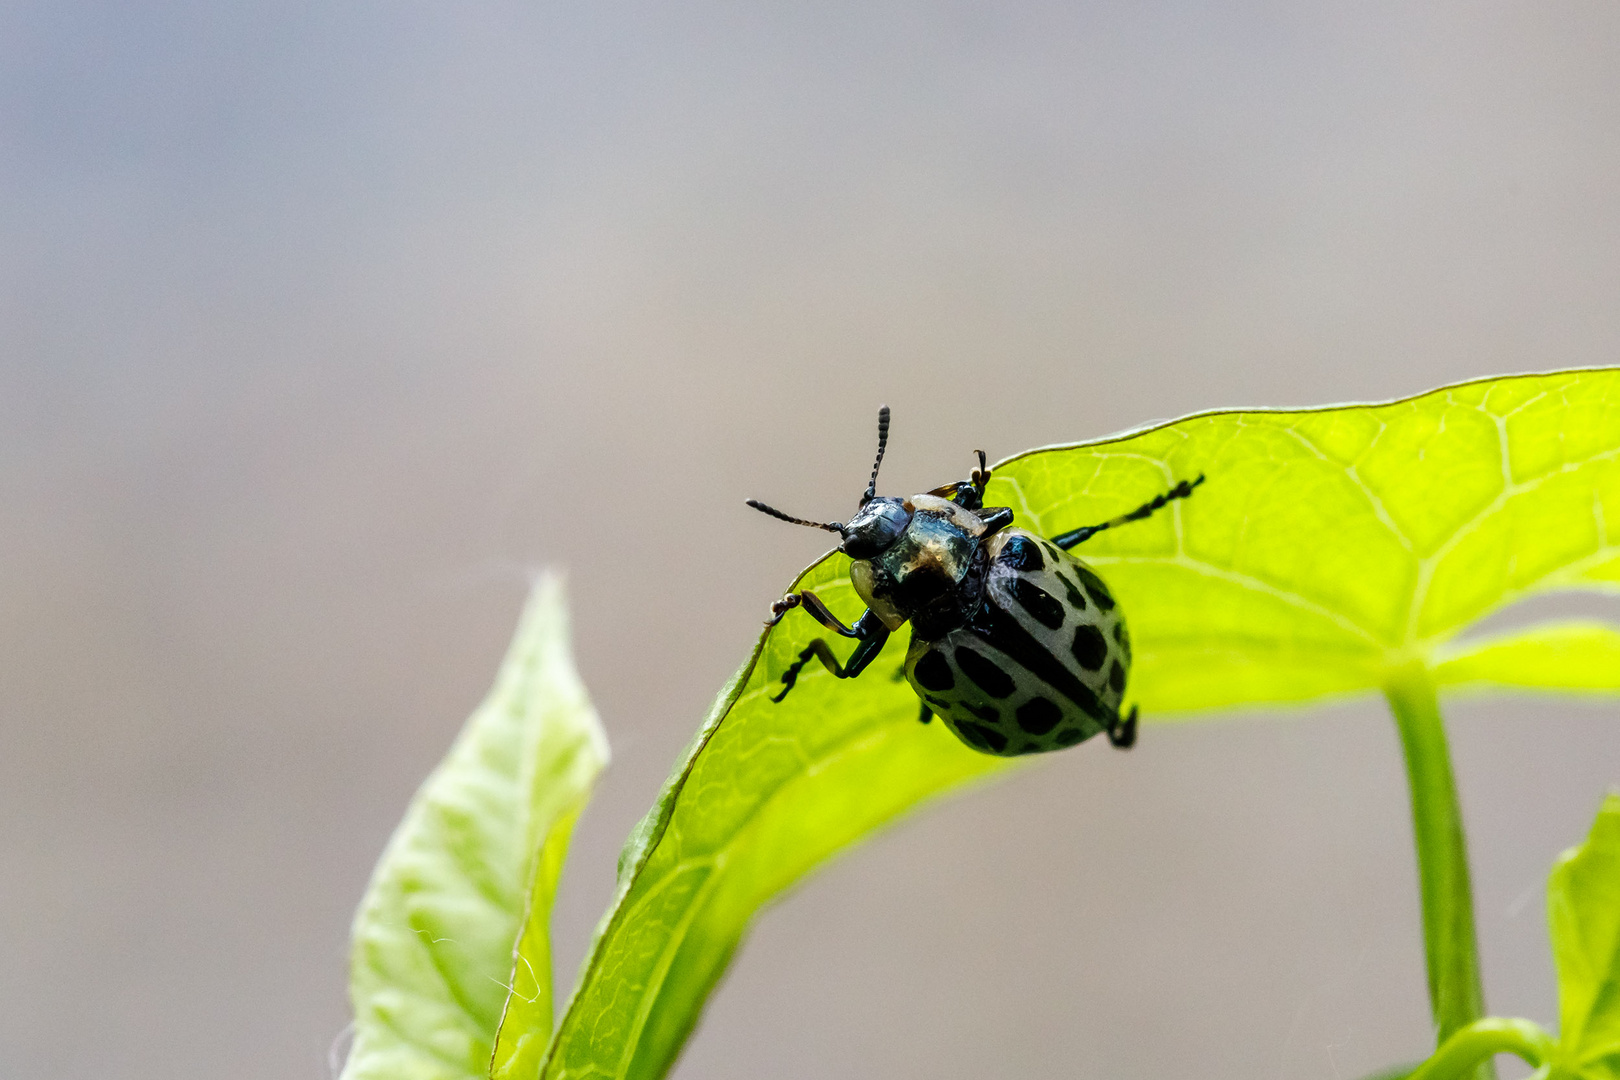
1015	643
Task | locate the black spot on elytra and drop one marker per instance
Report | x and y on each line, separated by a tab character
938	703
991	679
933	671
1003	630
971	733
1090	647
1116	678
1038	716
988	713
1075	595
995	740
1038	602
1052	551
1021	553
1099	591
1123	636
1069	736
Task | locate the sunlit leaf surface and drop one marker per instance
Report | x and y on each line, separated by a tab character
1558	656
433	940
1326	547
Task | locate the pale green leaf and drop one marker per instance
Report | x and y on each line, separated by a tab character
1583	913
433	939
1551	656
1326	548
525	1028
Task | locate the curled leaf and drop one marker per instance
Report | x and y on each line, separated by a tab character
432	955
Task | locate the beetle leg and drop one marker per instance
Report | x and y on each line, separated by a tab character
926	714
814	608
877	635
980	480
995	519
1076	536
968	493
816	650
873	634
1122	733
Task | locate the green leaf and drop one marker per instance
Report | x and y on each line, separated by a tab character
760	799
1327	548
1561	655
465	871
1583	913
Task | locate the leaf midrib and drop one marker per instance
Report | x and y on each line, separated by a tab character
717	859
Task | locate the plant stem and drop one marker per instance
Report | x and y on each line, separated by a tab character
1455	993
1477	1043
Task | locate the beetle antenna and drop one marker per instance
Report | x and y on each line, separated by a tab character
883	442
830	526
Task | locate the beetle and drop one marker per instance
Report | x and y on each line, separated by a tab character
1016	644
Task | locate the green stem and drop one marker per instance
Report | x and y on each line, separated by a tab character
1455	994
1474	1046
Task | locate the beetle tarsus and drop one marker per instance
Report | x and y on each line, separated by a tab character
1122	733
980	477
782	607
816	650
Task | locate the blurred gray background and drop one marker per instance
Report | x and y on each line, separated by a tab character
324	324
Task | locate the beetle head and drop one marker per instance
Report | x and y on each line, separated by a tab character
874	527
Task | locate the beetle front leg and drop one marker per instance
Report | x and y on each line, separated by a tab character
817	610
873	636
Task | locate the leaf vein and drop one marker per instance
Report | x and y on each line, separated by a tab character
1428	564
1373	499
